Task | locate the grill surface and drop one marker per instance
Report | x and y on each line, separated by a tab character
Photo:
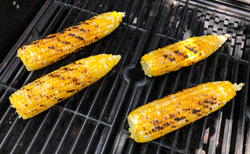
94	120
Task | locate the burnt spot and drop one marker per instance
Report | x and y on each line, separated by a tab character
52	36
70	91
192	49
74	79
156	121
178	119
60	99
205	106
171	115
65	68
96	38
51	47
27	89
79	37
210	108
167	123
205	101
58	39
176	51
63	78
83	30
71	34
186	120
153	130
65	42
75	27
47	97
186	56
166	56
196	111
199	102
172	59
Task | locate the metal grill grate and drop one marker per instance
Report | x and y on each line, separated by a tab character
94	120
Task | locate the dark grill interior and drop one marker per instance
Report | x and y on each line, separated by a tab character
94	120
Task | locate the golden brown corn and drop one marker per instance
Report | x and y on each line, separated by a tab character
54	47
165	115
181	54
60	84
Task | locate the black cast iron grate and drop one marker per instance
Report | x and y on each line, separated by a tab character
94	120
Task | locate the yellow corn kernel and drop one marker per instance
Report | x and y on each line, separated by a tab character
165	115
60	84
181	54
54	47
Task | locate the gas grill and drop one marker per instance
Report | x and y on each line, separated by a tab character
94	120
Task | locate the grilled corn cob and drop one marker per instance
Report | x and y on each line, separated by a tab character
60	84
181	54
54	47
165	115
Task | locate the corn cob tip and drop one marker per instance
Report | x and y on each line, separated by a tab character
223	38
238	87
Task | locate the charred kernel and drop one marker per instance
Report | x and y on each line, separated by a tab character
62	78
65	42
210	108
195	51
71	34
83	30
186	56
156	121
65	68
196	111
167	123
177	119
70	91
172	59
153	130
79	37
59	99
176	51
74	79
166	56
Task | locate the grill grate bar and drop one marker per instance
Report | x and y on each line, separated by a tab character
8	135
242	116
51	133
20	137
37	132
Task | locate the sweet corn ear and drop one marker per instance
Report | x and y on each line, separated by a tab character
54	47
181	54
165	115
60	84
